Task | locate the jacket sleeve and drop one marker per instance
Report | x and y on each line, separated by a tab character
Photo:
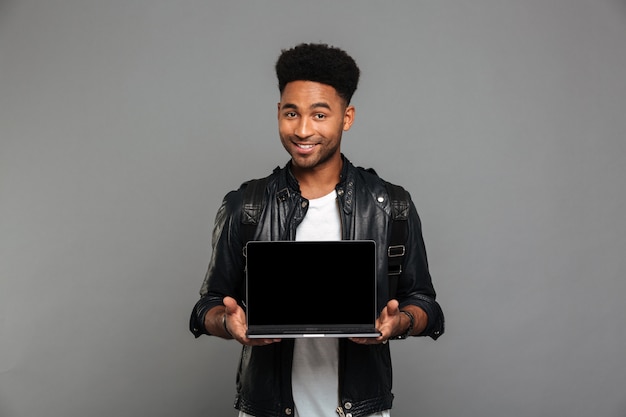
225	274
415	285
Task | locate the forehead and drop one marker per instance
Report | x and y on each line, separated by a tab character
304	93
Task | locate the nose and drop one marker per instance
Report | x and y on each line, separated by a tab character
304	128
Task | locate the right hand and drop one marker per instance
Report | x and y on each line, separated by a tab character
237	326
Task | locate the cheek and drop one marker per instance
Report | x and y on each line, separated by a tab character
281	128
339	129
284	125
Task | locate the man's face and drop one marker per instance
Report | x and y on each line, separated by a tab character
311	120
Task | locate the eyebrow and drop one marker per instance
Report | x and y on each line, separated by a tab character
312	106
320	104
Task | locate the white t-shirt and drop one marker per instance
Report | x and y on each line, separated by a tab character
315	382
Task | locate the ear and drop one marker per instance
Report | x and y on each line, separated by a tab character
348	118
278	110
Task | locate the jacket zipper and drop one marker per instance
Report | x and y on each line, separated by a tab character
340	411
340	192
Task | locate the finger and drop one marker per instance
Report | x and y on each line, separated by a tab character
393	307
367	340
260	342
231	304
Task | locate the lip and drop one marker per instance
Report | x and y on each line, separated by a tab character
304	148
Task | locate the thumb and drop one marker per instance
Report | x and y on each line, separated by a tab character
393	307
230	304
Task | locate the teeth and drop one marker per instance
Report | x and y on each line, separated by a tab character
305	146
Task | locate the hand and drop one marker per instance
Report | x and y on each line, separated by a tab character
389	323
237	326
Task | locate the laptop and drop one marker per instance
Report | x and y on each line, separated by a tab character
311	289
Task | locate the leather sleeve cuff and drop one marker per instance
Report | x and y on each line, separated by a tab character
196	321
436	321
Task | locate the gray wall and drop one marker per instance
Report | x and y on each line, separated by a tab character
123	123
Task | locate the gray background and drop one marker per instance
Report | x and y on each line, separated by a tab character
123	123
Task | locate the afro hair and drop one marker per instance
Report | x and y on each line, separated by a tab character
319	63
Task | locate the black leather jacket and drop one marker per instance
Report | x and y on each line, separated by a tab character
365	372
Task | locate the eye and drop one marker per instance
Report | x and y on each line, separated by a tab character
290	114
320	116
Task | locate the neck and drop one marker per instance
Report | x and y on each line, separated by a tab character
316	183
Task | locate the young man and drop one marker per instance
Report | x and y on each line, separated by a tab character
318	195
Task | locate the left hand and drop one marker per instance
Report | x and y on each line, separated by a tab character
389	323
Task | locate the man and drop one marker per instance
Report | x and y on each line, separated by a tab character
322	196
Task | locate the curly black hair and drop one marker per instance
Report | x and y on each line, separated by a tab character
320	63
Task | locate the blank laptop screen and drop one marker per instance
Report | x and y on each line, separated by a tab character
311	284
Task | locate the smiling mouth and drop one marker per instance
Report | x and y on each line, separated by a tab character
305	145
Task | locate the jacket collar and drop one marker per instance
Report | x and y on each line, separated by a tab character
288	185
292	183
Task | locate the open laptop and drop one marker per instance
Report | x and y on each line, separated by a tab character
311	289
